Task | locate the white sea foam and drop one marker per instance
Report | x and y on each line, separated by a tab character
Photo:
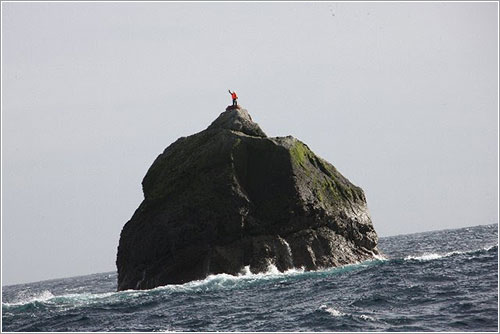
72	299
487	248
228	281
367	317
336	313
331	311
379	257
435	256
37	297
82	298
212	282
164	330
246	277
424	257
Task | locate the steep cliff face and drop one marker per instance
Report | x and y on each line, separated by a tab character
230	197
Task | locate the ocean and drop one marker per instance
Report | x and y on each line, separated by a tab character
434	281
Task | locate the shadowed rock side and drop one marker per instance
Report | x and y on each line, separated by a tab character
230	197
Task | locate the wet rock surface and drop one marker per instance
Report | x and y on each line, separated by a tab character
230	197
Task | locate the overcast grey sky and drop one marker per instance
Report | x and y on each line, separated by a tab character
400	97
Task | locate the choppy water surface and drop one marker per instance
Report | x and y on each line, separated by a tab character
433	281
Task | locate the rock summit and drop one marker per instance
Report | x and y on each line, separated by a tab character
229	198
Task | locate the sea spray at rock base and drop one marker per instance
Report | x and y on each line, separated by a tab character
454	293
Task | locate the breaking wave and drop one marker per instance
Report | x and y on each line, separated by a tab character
331	311
246	279
43	296
436	256
400	292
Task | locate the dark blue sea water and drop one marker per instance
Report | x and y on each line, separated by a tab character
434	281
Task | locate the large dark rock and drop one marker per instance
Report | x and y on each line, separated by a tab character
230	197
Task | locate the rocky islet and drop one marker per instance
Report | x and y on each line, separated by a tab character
231	197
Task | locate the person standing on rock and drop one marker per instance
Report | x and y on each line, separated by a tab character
234	97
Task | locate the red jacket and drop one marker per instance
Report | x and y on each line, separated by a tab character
234	96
